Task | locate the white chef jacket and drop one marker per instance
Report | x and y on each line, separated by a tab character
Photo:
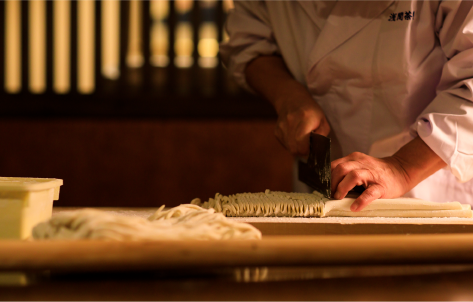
383	72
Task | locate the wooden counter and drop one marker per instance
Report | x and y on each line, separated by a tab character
383	261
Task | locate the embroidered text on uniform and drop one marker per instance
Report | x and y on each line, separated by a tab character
401	16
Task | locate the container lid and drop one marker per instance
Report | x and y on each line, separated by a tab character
28	184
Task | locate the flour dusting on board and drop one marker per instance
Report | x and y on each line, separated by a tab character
356	220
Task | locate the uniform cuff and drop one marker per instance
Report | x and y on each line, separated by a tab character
440	133
237	63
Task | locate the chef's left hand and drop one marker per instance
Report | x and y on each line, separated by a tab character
388	177
381	177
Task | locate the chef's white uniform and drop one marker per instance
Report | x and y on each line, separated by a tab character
383	72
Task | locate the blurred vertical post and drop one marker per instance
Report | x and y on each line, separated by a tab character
37	49
111	39
159	33
62	47
207	46
86	43
184	42
159	45
134	56
230	85
13	46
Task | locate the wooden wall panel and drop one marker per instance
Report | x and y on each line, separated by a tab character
145	163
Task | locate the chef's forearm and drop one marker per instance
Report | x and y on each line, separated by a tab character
269	76
418	161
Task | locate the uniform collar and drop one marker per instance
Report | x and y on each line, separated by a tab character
310	9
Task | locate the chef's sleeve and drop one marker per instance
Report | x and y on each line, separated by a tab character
250	36
446	125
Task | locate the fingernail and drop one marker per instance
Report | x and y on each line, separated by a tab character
354	207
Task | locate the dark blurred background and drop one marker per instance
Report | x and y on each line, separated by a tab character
128	102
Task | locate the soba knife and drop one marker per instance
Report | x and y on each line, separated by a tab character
317	172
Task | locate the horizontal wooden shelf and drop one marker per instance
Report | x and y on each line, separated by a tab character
271	251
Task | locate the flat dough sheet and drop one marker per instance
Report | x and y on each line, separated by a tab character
399	207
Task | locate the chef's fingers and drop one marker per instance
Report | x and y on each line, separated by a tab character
373	192
354	178
337	162
301	138
302	145
323	129
340	171
355	156
316	124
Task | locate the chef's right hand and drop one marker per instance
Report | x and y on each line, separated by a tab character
298	113
297	117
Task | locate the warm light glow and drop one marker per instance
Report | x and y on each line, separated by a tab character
37	47
184	45
134	57
12	46
208	45
86	43
159	9
62	40
111	39
183	6
159	33
159	44
228	5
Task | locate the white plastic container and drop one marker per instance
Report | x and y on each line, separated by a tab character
25	202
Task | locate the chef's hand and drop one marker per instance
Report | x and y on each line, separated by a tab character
388	177
298	113
297	117
381	177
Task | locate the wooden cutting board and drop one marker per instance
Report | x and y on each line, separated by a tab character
276	226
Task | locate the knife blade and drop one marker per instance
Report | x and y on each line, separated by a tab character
317	172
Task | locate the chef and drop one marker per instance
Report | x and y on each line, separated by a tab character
390	82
